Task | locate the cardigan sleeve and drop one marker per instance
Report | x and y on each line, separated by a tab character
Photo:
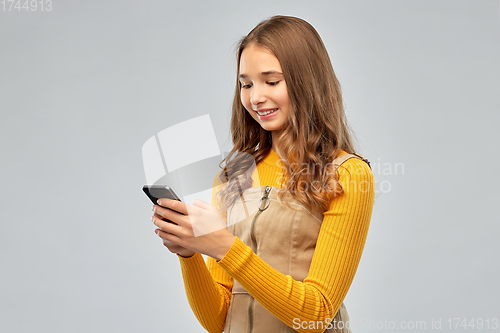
208	287
338	252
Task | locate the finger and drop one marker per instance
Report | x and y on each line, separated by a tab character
176	205
168	227
162	218
168	237
160	233
168	214
172	247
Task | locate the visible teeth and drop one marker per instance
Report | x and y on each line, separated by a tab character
266	112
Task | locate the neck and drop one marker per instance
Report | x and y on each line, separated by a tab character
274	136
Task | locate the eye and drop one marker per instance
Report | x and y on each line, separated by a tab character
273	83
245	85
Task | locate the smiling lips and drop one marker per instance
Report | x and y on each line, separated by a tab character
265	112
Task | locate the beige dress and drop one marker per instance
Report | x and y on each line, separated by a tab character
284	238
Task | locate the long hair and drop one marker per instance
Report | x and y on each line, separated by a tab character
317	128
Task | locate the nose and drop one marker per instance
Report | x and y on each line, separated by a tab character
257	96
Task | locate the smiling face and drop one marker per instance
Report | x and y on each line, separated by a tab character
263	89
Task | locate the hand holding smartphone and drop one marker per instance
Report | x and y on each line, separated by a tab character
155	192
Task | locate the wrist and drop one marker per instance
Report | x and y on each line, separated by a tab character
186	254
225	247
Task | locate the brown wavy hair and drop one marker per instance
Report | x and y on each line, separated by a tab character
317	129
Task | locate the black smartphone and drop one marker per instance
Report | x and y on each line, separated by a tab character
155	192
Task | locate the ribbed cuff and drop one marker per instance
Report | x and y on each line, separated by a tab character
236	258
191	262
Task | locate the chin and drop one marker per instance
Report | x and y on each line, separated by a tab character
271	128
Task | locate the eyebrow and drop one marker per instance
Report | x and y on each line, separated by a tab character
244	76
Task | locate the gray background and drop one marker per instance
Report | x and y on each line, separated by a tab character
84	86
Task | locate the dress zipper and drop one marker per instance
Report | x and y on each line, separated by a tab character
263	204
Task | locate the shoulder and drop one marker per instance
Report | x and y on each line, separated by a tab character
358	188
356	165
356	175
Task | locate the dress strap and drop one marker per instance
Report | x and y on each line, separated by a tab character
364	159
342	158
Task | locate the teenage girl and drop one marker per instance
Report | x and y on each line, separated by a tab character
285	250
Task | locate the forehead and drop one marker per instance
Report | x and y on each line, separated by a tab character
256	59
